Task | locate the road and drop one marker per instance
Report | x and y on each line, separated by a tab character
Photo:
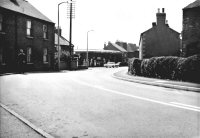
92	104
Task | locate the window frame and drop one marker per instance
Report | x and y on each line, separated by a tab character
29	55
45	31
1	22
45	55
2	56
29	28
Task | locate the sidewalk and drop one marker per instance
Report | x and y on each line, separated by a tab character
12	125
187	86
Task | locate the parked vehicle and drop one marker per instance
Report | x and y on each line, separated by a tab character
111	64
117	64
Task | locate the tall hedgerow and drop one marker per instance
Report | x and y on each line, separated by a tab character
174	68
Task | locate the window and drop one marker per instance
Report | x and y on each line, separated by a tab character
1	22
29	53
28	28
45	55
2	56
45	30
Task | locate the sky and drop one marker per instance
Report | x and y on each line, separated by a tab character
111	20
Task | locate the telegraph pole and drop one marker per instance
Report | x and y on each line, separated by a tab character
70	29
70	15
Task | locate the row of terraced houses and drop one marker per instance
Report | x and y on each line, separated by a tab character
22	26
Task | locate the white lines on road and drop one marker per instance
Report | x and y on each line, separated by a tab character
141	98
186	105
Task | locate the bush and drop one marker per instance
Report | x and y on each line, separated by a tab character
134	66
174	68
166	67
189	69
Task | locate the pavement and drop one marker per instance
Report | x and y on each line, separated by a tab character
12	125
187	86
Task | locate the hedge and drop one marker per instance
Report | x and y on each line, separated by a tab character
174	68
134	66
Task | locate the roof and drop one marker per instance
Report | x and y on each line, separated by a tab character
23	7
119	47
62	40
193	5
152	29
96	50
131	47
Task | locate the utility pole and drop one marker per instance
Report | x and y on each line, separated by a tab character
87	60
59	34
70	15
70	29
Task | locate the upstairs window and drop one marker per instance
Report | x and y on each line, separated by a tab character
29	55
45	30
45	55
28	28
1	22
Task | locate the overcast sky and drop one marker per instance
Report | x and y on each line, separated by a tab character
111	20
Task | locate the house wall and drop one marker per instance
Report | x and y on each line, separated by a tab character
100	58
110	47
134	54
160	41
191	32
15	38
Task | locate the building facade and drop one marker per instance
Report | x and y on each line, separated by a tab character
23	27
160	40
191	29
98	57
116	47
64	51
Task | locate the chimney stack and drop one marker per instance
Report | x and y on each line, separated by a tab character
161	17
153	24
60	31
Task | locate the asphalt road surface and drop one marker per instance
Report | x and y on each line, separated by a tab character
92	104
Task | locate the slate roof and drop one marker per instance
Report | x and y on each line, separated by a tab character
62	40
119	47
193	5
23	7
131	47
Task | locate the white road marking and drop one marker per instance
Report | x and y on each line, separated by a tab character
186	105
137	97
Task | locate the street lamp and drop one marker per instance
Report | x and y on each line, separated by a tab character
87	48
59	34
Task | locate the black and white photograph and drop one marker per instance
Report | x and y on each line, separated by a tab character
99	68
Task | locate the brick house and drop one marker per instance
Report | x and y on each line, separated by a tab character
160	40
23	27
64	50
191	29
116	47
131	49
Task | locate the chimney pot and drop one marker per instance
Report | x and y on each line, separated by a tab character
158	10
163	10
